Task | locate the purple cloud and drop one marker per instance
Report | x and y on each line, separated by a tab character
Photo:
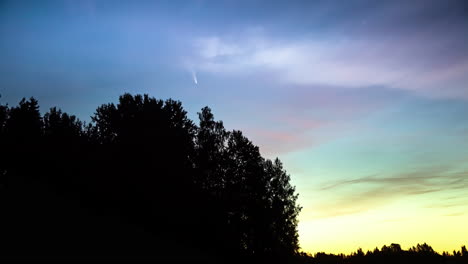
425	63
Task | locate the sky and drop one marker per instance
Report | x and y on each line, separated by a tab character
365	102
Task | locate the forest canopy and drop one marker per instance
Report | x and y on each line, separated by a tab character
194	187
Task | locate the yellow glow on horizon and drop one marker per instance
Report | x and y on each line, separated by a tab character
396	223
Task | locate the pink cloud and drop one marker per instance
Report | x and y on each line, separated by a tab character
283	134
306	116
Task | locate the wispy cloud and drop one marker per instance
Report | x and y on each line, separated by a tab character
366	193
414	63
214	47
456	214
304	117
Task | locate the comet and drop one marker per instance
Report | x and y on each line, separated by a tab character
194	76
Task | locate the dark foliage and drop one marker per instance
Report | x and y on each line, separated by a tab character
140	181
422	253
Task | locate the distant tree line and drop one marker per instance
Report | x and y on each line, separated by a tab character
421	253
141	179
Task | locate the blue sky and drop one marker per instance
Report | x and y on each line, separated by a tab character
364	101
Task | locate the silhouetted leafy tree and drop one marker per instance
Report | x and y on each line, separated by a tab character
24	124
61	127
3	146
423	249
211	149
21	135
284	209
3	116
152	143
143	163
63	144
258	206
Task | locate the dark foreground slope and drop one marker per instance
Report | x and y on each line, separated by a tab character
39	224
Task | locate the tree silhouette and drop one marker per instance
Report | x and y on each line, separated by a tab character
144	164
3	116
3	146
61	127
22	131
421	253
283	207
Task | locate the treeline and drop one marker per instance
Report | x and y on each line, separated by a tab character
140	180
421	253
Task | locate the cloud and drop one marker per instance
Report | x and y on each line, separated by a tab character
366	193
456	214
306	116
274	142
214	47
422	63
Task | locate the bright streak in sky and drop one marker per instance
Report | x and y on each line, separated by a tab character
194	76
